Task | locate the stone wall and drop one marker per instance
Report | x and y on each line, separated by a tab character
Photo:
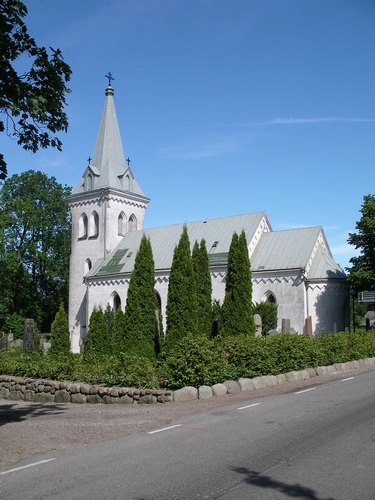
49	391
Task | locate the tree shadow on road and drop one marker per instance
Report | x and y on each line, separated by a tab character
292	490
10	413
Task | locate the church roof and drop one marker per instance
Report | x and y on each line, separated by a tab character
304	248
108	168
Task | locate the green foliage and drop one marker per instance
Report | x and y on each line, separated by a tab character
34	246
33	102
182	298
195	361
237	309
60	336
14	324
268	312
141	305
362	273
192	361
97	340
203	286
118	332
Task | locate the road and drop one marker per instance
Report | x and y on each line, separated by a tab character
315	443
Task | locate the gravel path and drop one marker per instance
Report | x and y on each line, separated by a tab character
28	429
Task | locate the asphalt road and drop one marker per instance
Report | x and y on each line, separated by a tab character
316	443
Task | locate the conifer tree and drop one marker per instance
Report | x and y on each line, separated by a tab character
237	310
182	299
141	304
118	332
203	287
97	335
60	337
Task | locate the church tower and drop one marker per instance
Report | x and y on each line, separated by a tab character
105	205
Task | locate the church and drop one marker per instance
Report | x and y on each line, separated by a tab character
292	268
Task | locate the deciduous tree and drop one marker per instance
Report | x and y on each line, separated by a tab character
32	101
34	247
362	273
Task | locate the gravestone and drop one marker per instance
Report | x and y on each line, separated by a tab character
28	334
285	325
3	342
258	325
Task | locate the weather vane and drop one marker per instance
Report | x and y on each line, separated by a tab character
110	77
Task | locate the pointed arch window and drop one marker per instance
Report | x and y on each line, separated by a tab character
121	221
82	226
87	266
89	182
114	301
132	223
127	183
94	225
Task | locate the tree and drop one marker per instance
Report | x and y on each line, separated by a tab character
141	304
237	311
203	286
182	299
268	312
97	341
33	102
118	332
34	247
60	337
362	273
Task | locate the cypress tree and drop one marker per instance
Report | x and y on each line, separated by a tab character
141	304
60	337
237	310
182	300
203	287
97	336
118	332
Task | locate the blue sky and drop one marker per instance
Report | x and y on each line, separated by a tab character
225	106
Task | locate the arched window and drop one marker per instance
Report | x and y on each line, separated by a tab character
89	181
269	297
87	266
94	224
132	223
82	232
115	301
121	221
127	183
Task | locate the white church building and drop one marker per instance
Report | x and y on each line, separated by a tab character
293	268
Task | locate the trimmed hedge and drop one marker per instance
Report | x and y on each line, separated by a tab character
195	361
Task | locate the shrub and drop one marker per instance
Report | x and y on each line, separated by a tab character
14	324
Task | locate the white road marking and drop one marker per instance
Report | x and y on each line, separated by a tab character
165	429
248	406
305	390
345	379
26	466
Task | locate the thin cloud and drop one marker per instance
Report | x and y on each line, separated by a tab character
302	121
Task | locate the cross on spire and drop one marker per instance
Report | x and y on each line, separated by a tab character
128	160
89	159
110	77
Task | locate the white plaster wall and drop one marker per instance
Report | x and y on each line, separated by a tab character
328	304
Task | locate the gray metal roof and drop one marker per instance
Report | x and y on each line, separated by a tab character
108	168
292	249
278	250
216	232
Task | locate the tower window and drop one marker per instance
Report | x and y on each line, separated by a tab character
82	229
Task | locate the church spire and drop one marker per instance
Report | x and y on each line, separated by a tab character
108	168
